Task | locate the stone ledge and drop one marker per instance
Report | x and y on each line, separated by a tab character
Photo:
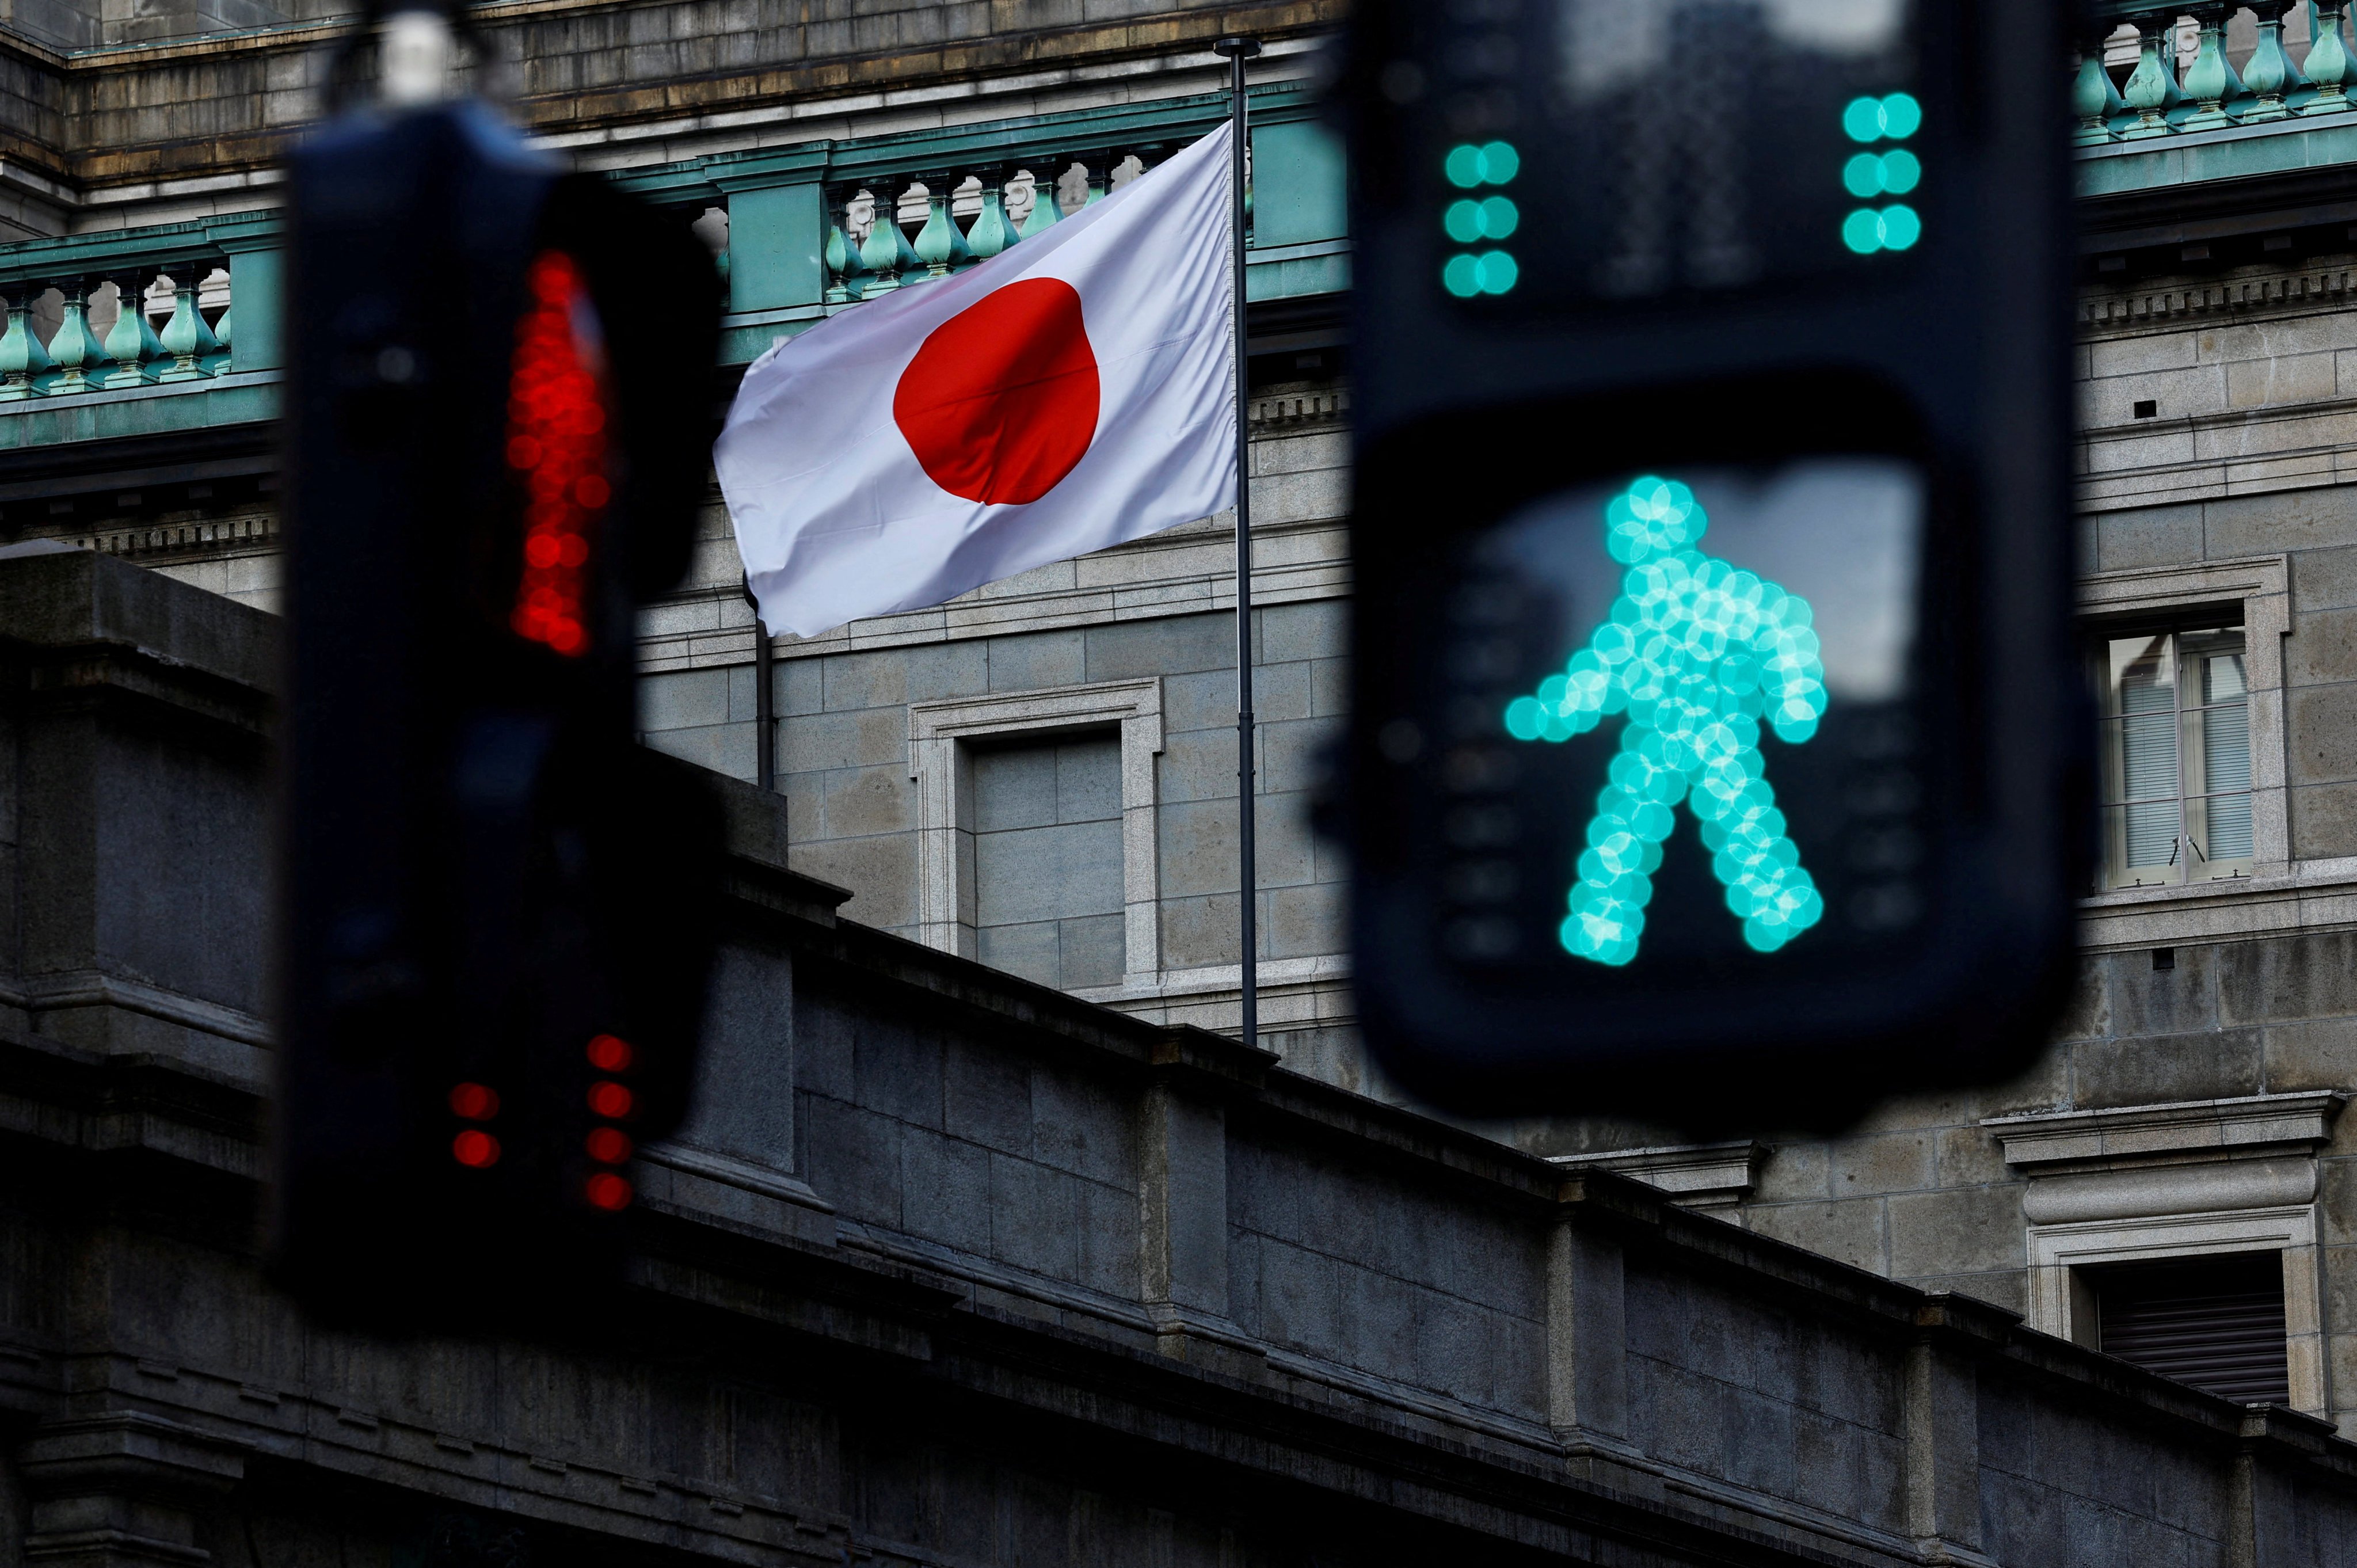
1706	1178
2245	1127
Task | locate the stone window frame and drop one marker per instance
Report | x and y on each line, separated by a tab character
2260	586
940	760
2188	1179
2056	1250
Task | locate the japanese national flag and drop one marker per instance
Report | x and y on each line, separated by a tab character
1071	392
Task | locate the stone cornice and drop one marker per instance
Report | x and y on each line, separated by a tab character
2244	1127
2173	303
88	91
1701	1177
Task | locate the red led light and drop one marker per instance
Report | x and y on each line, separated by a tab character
611	1053
608	1191
475	1148
610	1100
610	1145
475	1101
556	445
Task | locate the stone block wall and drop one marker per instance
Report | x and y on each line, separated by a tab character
2248	382
1753	1395
1379	1274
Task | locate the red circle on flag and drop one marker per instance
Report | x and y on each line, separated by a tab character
1001	401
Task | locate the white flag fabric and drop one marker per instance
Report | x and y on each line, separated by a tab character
1073	391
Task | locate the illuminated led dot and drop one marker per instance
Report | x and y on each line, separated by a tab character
1862	232
475	1101
1500	218
608	1145
1463	221
1462	276
1524	718
475	1149
1463	166
608	1191
1901	116
1900	170
610	1100
1862	175
1497	272
1499	163
1863	120
609	1053
1900	228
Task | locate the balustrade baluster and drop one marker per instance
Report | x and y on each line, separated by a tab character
1046	210
2329	66
81	358
879	253
2269	73
846	273
940	244
1097	167
991	232
25	368
2151	89
186	337
886	251
837	256
131	342
2217	92
2093	97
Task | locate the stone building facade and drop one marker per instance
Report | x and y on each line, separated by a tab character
1038	775
946	1268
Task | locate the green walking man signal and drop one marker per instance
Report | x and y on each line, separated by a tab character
1699	654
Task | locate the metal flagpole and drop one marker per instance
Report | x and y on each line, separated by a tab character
765	721
1236	50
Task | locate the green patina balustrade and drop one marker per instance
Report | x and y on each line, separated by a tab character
816	227
174	289
889	232
808	229
819	227
2172	90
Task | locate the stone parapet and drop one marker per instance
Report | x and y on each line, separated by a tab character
947	1248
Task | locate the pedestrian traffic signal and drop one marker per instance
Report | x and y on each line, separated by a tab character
500	908
1719	750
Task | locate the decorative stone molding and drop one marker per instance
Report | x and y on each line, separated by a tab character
2247	1127
247	532
936	761
2111	311
1706	1178
1302	407
2186	1179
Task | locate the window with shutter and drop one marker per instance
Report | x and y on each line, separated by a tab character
2177	757
2216	1323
